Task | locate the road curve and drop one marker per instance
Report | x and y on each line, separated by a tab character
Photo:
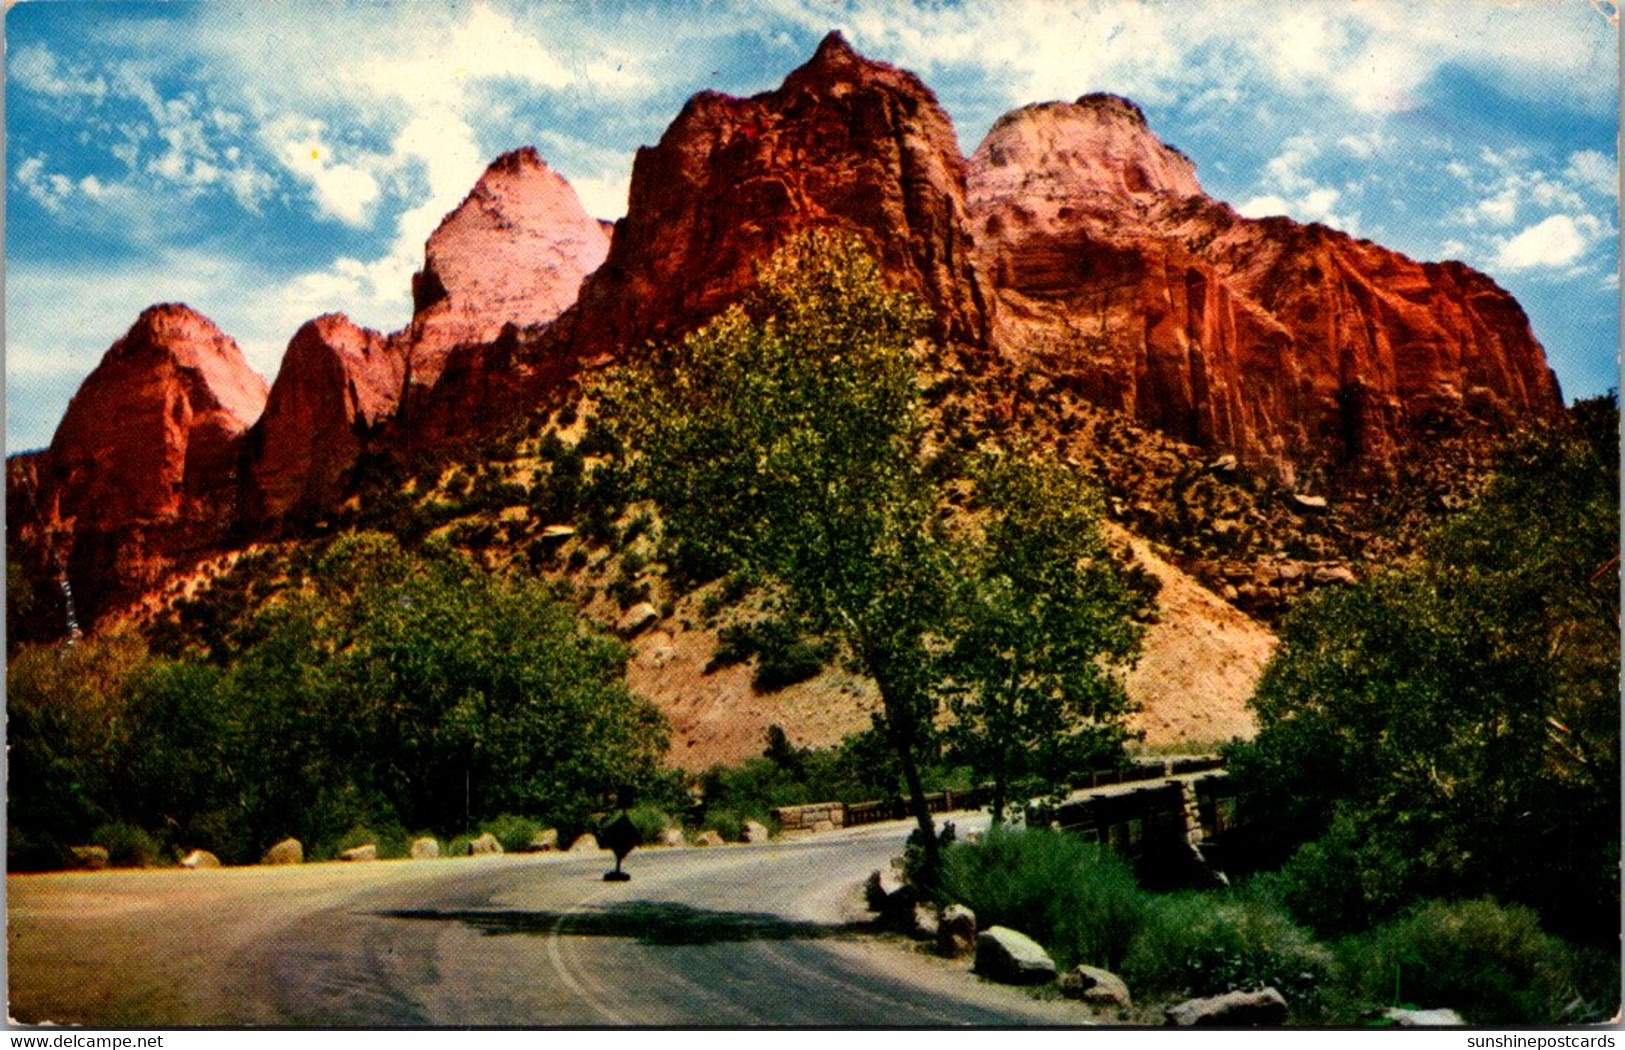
732	936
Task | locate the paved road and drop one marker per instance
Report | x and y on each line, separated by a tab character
732	936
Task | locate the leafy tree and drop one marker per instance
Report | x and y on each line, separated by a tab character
788	440
785	437
1452	728
1046	625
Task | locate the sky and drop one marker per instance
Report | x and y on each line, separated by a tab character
269	162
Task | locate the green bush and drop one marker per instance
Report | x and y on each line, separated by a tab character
127	845
459	846
1076	898
514	832
1202	944
1492	963
650	821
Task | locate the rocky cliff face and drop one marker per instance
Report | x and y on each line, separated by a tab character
1074	243
1293	346
144	465
845	142
337	383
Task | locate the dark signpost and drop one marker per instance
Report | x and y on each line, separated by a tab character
621	837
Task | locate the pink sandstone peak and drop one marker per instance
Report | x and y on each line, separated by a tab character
514	251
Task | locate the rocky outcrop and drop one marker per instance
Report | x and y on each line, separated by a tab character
1289	345
1091	984
845	142
142	472
337	384
515	251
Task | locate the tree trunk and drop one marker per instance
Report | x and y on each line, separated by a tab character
916	801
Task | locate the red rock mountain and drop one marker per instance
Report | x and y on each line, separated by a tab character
1290	345
144	464
337	383
514	252
1073	241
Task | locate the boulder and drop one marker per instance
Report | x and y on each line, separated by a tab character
288	851
708	838
755	832
425	848
1265	1006
956	931
638	619
485	845
366	852
1308	504
586	843
545	841
1004	955
670	837
200	858
923	923
822	826
1095	986
91	858
1440	1018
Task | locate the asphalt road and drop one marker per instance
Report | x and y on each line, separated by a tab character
732	936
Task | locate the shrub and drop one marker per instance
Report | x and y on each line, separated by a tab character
650	821
459	846
1202	944
1492	963
127	845
514	832
1077	898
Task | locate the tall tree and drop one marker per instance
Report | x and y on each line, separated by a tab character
1045	627
786	437
1452	727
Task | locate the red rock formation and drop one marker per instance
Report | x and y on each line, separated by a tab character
337	383
513	252
1290	345
142	471
844	142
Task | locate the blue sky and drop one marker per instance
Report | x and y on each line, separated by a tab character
268	162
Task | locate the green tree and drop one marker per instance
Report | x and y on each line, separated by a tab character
788	440
1044	630
1452	728
785	438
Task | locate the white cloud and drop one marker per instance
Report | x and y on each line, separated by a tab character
1595	171
1265	206
1553	242
36	68
341	190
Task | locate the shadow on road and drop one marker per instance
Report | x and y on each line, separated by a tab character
648	922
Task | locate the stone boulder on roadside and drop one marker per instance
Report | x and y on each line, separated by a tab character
1095	986
544	841
755	832
288	851
956	932
1440	1018
365	852
708	838
923	923
669	837
425	849
200	858
1011	957
586	842
484	846
1265	1006
887	894
90	858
